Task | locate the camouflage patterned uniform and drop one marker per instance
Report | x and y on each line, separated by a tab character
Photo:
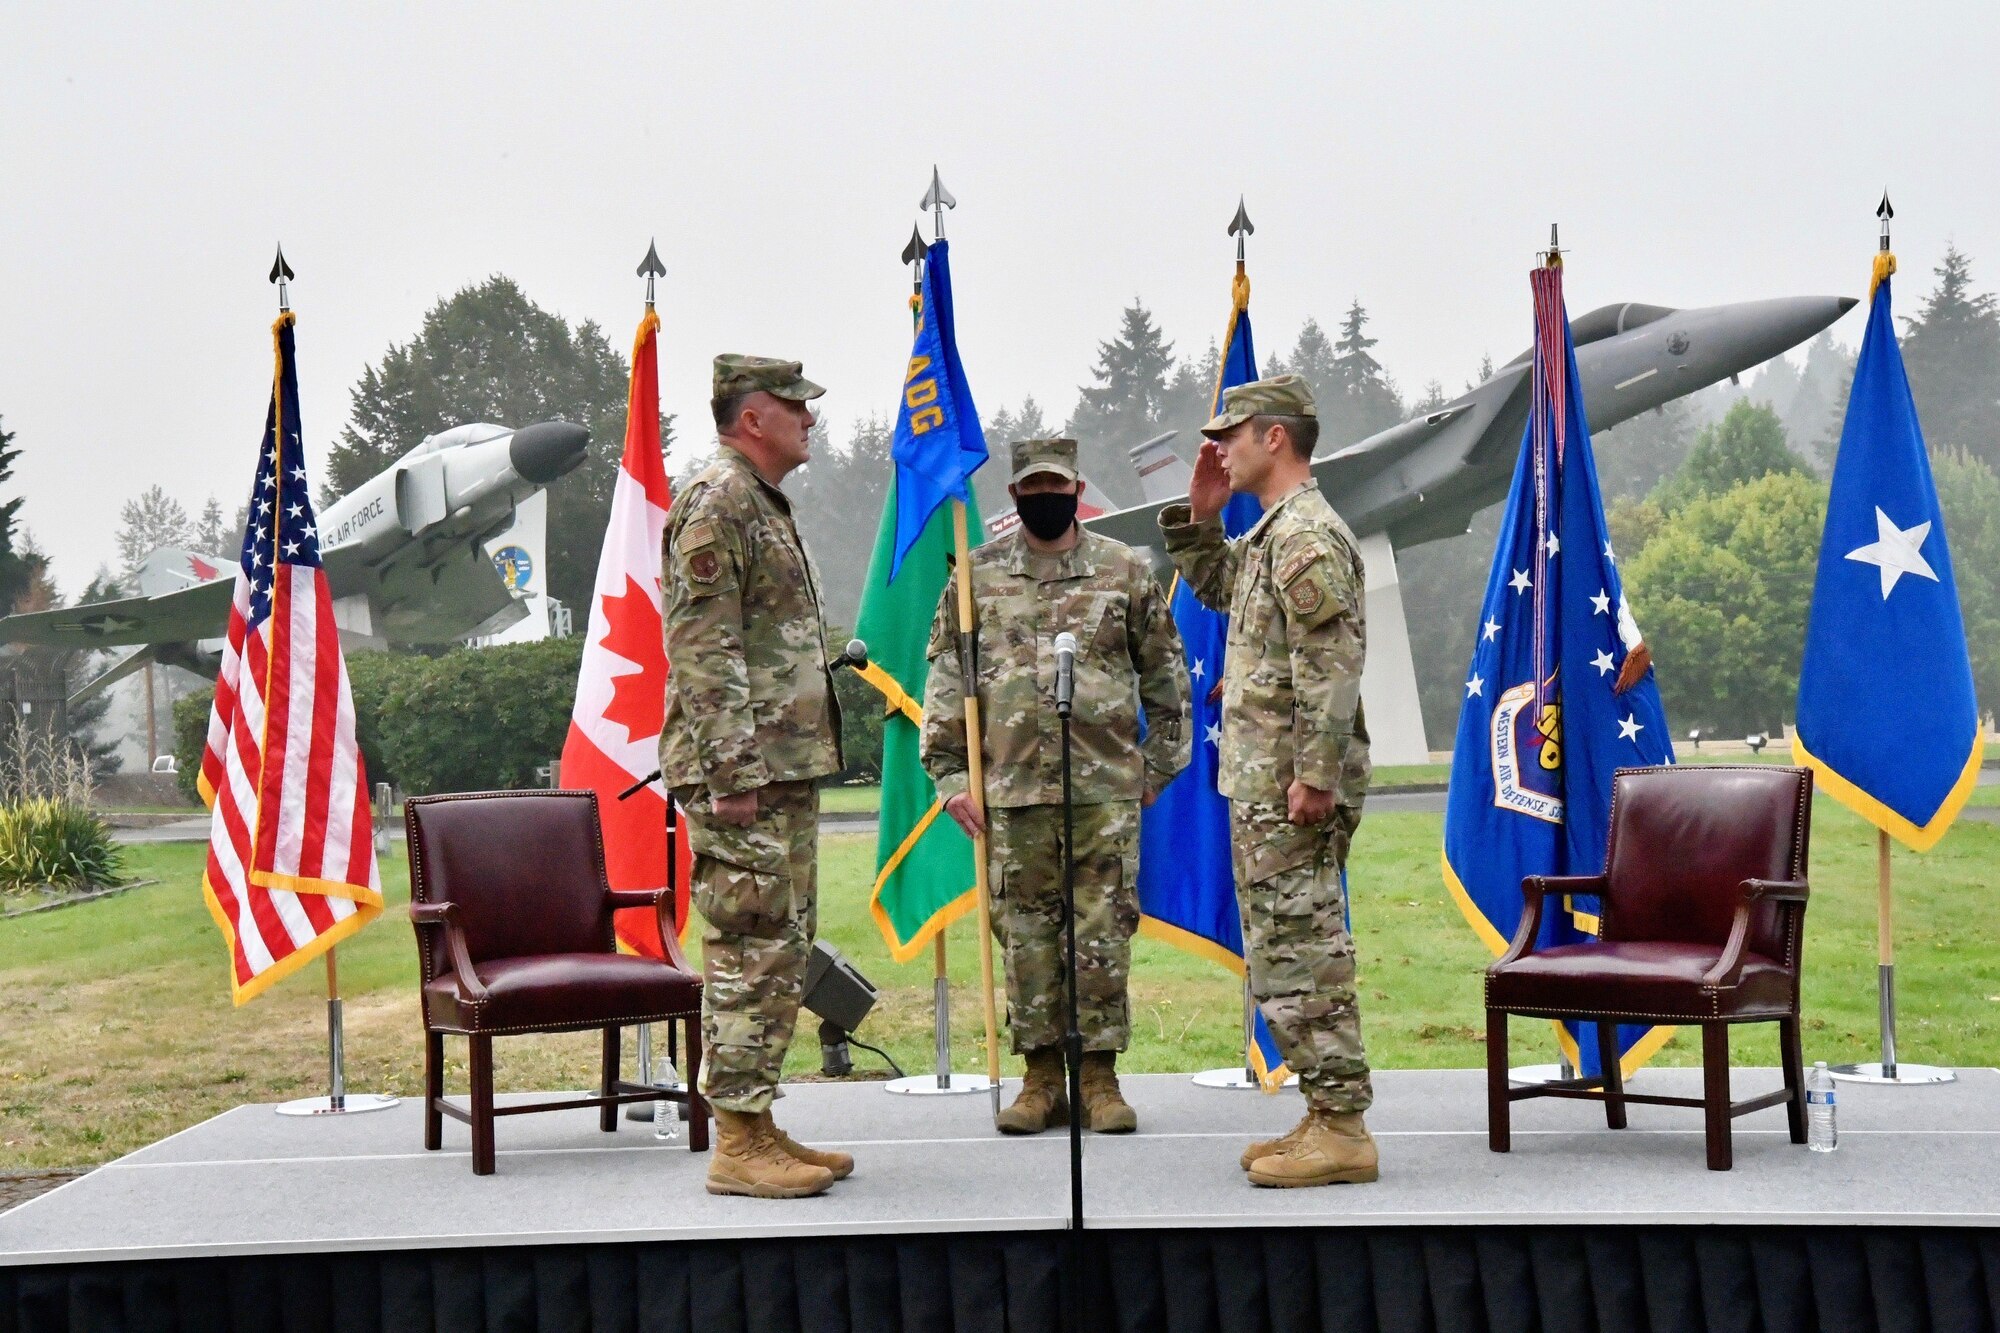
1128	654
1291	709
750	707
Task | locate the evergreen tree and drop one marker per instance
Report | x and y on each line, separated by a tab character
836	498
1485	372
1748	443
488	353
14	572
1365	400
1637	454
153	520
1969	498
1191	395
1127	405
1314	360
1952	351
212	532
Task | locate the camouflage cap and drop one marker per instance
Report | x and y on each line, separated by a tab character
736	374
1032	456
1279	396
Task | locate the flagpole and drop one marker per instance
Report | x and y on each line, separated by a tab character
1887	1070
1885	954
940	1081
913	255
336	1102
1243	1077
976	773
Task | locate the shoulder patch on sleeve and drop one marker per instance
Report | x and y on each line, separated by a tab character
1299	562
701	532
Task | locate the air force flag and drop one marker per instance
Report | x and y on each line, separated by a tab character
1187	886
1887	718
1560	692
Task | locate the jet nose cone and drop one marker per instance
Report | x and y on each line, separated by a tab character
548	449
1847	303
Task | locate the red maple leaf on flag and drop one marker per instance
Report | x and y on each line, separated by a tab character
638	698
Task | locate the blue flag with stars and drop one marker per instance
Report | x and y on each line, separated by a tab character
1187	885
1560	693
938	443
1887	719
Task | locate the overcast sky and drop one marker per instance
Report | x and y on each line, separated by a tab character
1410	155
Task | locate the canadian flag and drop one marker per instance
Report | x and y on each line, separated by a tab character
614	730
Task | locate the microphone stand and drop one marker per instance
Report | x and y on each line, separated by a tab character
1073	1034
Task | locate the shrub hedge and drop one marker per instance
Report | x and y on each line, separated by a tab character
474	719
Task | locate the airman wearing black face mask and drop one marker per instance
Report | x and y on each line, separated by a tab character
1047	577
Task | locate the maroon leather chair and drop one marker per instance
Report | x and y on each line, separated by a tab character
513	921
1704	904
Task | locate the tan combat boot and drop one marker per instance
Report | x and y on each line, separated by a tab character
1333	1148
749	1161
1105	1110
1041	1104
840	1163
1267	1147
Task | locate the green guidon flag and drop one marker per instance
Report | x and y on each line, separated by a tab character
924	877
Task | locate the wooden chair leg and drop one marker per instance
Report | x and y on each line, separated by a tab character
607	1082
1715	1093
1795	1076
482	1105
1612	1073
1499	1130
433	1090
696	1103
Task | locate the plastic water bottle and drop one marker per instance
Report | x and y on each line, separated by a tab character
1821	1133
666	1122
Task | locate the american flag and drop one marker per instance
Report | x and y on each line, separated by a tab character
291	855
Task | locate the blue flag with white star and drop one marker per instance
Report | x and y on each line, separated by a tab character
1187	885
1560	693
1887	719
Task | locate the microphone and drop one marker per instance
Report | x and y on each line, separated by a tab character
855	655
1065	672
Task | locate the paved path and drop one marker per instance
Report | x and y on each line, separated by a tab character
195	828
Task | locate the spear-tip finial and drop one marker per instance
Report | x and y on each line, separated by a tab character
937	199
650	268
281	273
1241	226
1552	257
1885	211
914	252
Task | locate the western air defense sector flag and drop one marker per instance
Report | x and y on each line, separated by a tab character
1887	718
614	726
1560	692
1187	884
924	876
291	852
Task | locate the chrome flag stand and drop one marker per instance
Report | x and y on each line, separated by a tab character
338	1101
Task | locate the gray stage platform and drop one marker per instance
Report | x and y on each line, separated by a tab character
251	1182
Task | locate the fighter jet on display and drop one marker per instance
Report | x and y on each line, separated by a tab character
440	547
1425	478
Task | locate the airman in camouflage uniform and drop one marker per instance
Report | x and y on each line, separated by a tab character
1294	754
751	724
1026	590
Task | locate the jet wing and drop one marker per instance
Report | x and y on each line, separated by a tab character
197	612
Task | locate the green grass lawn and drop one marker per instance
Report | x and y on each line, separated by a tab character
116	1027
